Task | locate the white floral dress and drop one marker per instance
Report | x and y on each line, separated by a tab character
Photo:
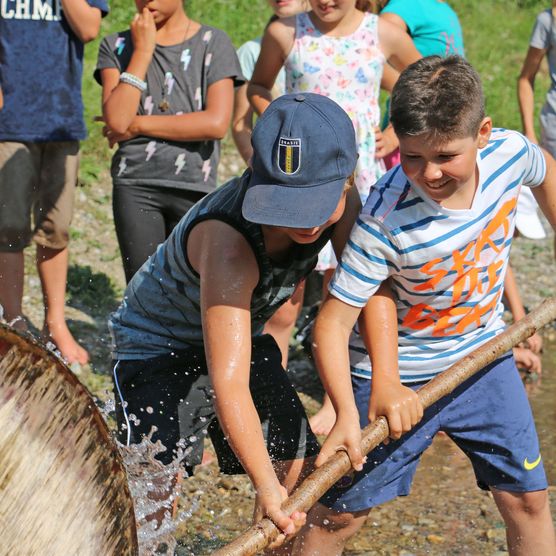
348	70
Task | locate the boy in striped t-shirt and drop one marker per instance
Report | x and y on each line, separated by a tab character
439	229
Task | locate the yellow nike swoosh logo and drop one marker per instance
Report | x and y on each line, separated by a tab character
531	465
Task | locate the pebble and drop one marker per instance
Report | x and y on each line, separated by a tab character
496	535
226	483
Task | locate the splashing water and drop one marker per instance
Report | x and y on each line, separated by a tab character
154	488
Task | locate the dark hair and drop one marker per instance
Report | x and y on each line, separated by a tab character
438	96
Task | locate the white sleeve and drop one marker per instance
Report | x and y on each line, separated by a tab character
535	170
369	257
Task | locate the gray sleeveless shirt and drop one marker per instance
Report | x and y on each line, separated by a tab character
160	311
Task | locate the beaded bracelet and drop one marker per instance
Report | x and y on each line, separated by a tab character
133	80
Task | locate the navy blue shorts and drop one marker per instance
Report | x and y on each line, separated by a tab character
488	417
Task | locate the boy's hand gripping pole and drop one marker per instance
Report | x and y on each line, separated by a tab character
259	535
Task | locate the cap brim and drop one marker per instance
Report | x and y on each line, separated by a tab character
530	226
291	206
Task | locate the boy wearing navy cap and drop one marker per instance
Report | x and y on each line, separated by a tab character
187	339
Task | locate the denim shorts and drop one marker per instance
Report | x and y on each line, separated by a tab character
488	417
173	393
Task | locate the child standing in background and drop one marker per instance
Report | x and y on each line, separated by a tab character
434	26
41	124
167	94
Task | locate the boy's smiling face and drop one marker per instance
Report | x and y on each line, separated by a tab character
445	170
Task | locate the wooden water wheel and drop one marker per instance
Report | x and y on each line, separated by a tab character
63	487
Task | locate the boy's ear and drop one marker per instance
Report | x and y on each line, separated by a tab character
485	129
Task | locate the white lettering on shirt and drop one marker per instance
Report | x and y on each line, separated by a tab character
45	10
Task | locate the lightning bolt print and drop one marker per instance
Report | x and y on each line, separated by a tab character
185	58
198	98
120	44
169	82
122	166
180	163
208	59
207	36
206	169
148	105
150	149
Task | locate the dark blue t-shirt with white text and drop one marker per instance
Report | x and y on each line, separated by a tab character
41	65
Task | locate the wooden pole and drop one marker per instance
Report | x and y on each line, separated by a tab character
315	485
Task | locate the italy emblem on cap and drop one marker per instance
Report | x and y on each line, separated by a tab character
289	155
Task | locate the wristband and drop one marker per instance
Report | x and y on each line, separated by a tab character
134	81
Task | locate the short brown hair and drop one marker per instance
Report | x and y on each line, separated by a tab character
438	96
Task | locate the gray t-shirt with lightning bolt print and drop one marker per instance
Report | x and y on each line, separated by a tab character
177	82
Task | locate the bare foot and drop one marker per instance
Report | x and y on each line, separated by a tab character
322	422
71	351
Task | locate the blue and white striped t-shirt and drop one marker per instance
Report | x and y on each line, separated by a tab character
447	266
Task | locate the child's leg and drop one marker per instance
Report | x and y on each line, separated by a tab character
139	223
280	325
52	266
19	168
52	214
490	419
327	531
11	284
529	527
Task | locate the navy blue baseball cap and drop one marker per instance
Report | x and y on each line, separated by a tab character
304	149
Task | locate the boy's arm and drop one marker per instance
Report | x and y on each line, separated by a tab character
83	19
343	227
276	44
545	193
331	333
229	273
378	327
